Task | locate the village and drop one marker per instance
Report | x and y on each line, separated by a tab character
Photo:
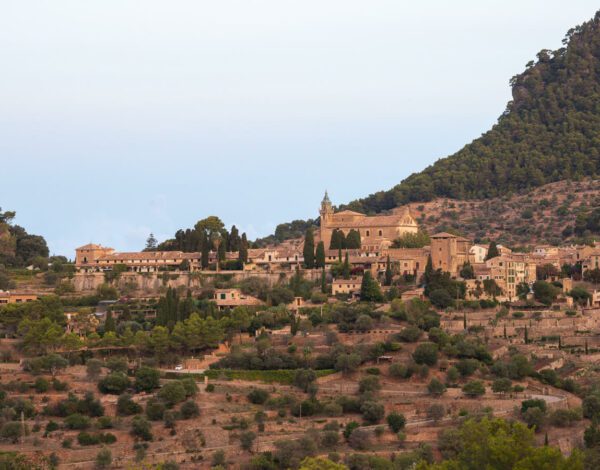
345	344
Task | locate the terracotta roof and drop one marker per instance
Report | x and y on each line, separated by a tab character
375	222
150	255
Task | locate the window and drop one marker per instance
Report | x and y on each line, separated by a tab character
223	296
381	233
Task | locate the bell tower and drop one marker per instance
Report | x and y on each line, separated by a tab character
326	213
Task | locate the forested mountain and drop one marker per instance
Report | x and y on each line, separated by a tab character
549	132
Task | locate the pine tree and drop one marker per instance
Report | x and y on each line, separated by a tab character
346	267
320	256
109	323
323	281
388	272
309	249
492	251
243	251
151	243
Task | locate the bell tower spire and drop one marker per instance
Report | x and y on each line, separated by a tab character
326	213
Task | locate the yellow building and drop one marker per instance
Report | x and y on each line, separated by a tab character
16	297
374	230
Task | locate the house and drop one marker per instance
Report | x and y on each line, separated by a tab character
231	298
16	297
477	254
346	286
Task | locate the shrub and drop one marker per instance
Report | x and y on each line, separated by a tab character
77	421
435	387
41	385
533	403
247	439
104	458
369	384
400	371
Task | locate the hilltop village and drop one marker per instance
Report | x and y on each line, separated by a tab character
367	343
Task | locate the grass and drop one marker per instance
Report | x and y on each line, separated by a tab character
281	376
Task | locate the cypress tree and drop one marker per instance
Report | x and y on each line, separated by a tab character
464	320
492	251
353	240
340	255
335	240
559	343
546	439
320	256
428	270
505	337
346	267
221	252
205	250
323	281
309	249
586	346
243	251
388	272
526	336
109	323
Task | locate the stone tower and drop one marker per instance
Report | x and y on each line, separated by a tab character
326	213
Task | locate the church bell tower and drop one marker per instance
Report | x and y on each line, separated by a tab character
326	213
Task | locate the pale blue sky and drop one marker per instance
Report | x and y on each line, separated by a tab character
119	118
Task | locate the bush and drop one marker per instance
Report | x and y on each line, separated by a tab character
104	458
189	409
258	396
410	334
11	431
77	421
533	403
396	421
105	422
41	385
360	439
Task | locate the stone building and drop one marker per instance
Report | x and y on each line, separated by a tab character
449	252
374	231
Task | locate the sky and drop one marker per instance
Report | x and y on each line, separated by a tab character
119	118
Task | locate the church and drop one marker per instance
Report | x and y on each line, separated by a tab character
377	231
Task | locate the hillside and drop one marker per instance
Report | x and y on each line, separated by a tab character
554	213
549	132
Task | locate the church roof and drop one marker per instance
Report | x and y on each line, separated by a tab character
349	212
375	221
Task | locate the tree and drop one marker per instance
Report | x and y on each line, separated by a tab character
435	387
388	272
396	421
151	243
467	271
474	388
109	323
147	379
346	267
247	439
324	289
104	458
372	412
436	412
172	393
189	409
126	406
308	251
353	241
544	292
320	463
502	385
140	427
93	368
426	353
320	255
347	363
493	251
243	253
369	289
114	383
